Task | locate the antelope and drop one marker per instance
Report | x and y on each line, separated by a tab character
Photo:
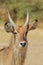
16	52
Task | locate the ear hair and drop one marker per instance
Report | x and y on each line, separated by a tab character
34	24
8	27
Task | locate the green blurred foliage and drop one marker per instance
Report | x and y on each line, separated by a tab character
34	7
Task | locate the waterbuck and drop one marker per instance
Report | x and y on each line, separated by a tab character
15	53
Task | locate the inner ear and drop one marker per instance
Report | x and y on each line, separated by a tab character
8	27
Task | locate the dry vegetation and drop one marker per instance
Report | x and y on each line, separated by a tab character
34	7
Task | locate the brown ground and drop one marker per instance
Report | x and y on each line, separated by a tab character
34	54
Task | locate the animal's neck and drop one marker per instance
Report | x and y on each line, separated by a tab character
18	56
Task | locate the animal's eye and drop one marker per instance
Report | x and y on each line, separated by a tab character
26	32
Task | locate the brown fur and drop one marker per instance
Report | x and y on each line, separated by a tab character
14	55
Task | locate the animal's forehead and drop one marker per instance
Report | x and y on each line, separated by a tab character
17	27
20	28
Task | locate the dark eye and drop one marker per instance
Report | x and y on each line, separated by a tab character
26	32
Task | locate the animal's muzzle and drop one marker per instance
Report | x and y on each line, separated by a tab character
23	43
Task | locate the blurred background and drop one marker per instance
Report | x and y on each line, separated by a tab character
18	9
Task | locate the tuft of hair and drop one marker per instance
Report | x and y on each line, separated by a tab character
34	24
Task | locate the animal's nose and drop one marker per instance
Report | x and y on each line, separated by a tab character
23	43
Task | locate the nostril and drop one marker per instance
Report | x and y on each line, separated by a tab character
23	44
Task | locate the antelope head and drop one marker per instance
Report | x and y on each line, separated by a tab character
19	32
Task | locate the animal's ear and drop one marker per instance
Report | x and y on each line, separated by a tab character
8	27
34	24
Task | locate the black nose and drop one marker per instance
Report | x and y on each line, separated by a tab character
23	44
